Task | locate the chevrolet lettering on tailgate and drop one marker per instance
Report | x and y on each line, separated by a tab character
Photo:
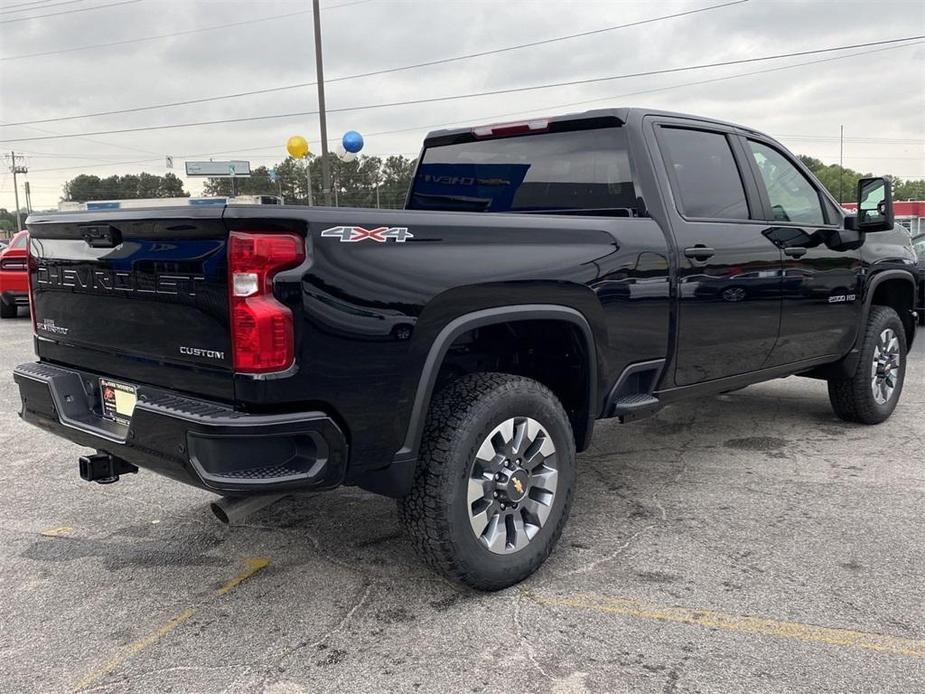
110	281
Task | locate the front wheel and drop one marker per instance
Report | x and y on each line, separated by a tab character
494	481
871	394
8	310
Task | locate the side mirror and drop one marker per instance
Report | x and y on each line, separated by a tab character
875	205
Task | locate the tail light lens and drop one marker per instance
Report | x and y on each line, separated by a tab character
261	327
13	263
31	265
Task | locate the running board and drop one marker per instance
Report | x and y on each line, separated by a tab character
634	406
631	396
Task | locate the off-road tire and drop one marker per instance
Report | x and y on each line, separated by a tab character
852	398
8	310
436	512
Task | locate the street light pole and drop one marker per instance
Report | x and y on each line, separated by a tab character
319	70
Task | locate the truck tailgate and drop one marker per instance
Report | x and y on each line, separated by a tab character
140	295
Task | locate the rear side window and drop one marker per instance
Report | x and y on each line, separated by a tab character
20	241
549	172
705	179
792	197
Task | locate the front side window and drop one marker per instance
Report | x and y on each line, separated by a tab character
706	179
579	170
793	198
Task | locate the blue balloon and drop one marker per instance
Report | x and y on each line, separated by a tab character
353	141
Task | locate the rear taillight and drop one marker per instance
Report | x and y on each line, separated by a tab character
261	327
13	263
31	265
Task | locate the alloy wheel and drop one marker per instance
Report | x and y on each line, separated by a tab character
884	371
512	485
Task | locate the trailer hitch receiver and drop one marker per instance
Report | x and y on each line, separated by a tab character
104	468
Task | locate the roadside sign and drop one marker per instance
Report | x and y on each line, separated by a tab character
219	169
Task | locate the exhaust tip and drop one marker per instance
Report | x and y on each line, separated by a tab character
219	512
234	509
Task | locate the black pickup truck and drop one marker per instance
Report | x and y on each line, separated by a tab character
456	354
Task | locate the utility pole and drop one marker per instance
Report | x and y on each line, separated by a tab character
16	169
841	161
319	70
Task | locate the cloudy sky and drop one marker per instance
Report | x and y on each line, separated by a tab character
878	95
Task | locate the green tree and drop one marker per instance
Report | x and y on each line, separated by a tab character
130	186
353	183
842	183
909	190
258	183
8	221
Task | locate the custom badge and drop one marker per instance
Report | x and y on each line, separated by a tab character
379	234
48	325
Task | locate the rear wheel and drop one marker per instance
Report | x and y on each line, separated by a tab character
494	482
8	310
871	394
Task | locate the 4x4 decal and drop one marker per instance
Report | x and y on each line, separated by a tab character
379	234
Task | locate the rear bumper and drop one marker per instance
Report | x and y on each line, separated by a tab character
14	298
197	442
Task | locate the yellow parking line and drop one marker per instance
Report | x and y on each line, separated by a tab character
63	531
883	643
134	648
252	566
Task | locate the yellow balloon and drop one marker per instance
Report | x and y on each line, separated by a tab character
297	146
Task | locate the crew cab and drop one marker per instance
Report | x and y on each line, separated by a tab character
457	354
14	283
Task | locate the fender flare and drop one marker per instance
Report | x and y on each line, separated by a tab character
879	278
847	365
477	319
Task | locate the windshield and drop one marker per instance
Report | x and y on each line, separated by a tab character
581	170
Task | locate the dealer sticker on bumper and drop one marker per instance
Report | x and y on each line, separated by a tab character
118	400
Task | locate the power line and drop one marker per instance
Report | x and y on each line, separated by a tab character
80	9
31	2
96	142
457	97
187	32
611	97
863	140
302	85
546	108
35	2
9	8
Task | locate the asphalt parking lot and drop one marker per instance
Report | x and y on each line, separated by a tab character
751	543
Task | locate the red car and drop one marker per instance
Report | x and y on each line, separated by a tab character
14	290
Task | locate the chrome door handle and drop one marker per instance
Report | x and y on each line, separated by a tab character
699	252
